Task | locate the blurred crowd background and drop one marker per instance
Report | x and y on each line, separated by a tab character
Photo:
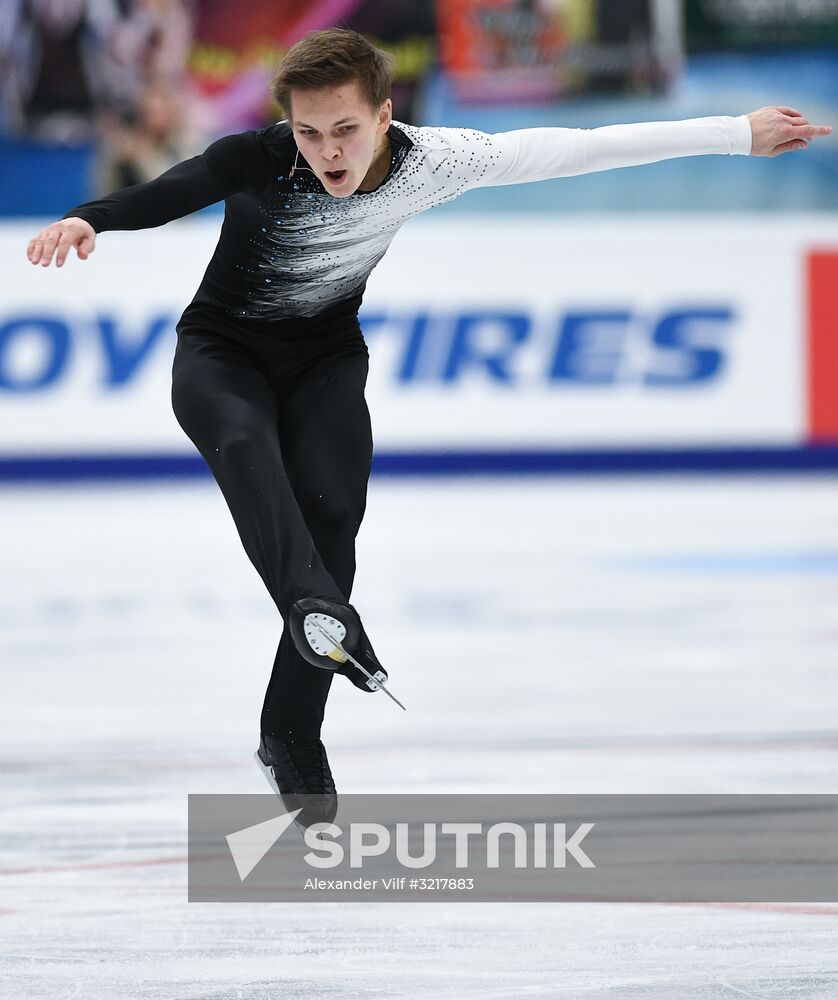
100	94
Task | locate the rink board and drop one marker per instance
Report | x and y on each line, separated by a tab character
505	340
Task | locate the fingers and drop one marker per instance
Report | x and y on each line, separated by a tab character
787	147
42	247
86	247
802	128
810	131
35	248
62	249
795	131
803	134
56	241
48	248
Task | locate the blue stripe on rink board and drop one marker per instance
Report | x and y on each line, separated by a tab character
53	468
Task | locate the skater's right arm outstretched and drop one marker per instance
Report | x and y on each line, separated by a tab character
236	163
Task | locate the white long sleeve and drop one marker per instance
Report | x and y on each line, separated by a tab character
482	159
537	154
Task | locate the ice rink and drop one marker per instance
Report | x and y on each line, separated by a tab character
687	641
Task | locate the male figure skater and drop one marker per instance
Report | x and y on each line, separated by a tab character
270	365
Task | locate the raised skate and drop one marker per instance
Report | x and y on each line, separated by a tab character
330	635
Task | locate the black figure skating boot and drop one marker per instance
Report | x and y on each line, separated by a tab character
298	771
330	635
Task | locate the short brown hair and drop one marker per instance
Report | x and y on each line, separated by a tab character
330	58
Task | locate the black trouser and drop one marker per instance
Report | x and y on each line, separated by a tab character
284	427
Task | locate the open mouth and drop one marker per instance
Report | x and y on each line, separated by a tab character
336	176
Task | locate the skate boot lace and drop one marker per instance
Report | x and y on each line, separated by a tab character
301	766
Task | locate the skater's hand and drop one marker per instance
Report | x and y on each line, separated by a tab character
780	130
58	238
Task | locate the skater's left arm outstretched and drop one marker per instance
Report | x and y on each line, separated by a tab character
538	154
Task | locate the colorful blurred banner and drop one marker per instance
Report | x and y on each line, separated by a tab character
525	50
238	46
713	24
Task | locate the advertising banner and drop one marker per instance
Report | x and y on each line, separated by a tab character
504	335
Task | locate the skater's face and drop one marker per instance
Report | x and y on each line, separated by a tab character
341	137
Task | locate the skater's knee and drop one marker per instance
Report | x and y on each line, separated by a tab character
243	446
223	427
197	415
233	445
333	509
184	406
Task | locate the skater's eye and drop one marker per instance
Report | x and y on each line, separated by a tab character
344	129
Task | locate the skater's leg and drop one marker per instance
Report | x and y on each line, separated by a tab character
326	440
228	408
327	417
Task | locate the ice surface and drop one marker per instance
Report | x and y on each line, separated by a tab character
650	635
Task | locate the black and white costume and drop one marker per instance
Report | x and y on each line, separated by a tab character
270	367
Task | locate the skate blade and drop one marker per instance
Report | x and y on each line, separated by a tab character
266	770
269	777
377	680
